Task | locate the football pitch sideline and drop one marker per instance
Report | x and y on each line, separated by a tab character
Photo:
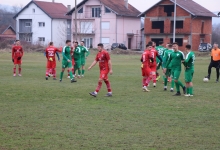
36	114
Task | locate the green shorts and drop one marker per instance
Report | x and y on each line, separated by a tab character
66	64
189	75
77	64
168	72
83	62
176	74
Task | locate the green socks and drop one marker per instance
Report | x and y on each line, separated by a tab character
177	86
61	75
180	84
79	72
71	75
165	81
190	90
83	71
172	83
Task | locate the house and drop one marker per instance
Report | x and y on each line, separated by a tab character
106	21
42	22
193	23
7	32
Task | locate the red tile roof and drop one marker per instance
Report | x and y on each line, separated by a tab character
3	28
118	6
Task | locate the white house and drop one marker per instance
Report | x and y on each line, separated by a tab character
42	22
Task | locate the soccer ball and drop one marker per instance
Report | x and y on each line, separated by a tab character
205	80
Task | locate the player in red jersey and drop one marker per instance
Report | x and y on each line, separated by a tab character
153	65
105	66
51	60
17	53
146	59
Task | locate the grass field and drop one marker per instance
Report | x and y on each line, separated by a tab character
36	114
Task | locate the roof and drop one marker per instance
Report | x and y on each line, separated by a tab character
52	9
190	6
117	6
3	28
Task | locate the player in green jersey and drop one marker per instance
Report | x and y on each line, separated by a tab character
166	56
189	65
66	62
84	54
77	58
175	61
161	51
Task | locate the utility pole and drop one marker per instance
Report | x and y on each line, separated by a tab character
76	38
174	23
100	22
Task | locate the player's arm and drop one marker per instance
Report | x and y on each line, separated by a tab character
168	61
58	56
12	54
93	64
63	53
158	56
164	60
87	52
22	52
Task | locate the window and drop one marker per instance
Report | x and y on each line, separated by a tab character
88	42
41	24
86	27
33	10
178	40
27	24
68	26
41	39
169	9
107	10
96	12
80	11
158	25
105	25
179	24
105	40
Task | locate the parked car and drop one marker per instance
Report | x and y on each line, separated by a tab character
205	47
118	45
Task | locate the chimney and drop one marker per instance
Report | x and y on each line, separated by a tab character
126	3
68	7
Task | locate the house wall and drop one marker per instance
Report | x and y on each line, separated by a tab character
9	32
38	16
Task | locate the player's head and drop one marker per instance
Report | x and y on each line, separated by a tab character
82	43
160	42
175	46
215	45
153	44
188	47
76	43
150	43
167	45
17	42
100	46
51	44
68	42
170	46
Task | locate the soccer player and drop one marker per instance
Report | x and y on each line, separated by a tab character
189	64
153	65
73	61
146	59
215	62
175	61
105	66
166	56
51	60
17	54
77	58
66	62
161	51
84	54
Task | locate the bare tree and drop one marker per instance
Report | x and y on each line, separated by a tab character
215	33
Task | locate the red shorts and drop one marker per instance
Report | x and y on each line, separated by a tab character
103	75
146	72
51	64
153	68
73	62
17	62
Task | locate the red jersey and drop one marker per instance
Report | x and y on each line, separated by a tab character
146	57
154	54
103	58
50	53
17	51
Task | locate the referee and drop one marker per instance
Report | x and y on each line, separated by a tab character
215	62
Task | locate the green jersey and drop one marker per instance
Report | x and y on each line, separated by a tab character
166	57
175	60
160	50
189	61
66	53
77	53
84	51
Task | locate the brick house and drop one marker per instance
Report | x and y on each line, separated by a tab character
7	32
193	23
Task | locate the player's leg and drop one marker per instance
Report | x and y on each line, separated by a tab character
176	74
54	70
72	77
83	70
14	70
19	69
64	65
210	70
94	94
188	78
108	85
217	74
166	75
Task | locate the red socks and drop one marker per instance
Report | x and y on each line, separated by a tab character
98	87
54	73
144	81
47	72
154	78
108	85
14	70
19	70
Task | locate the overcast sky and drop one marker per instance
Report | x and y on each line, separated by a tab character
212	5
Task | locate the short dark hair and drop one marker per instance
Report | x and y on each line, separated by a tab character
17	40
170	45
67	41
147	45
160	42
150	43
76	42
188	46
100	44
175	43
83	41
51	43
